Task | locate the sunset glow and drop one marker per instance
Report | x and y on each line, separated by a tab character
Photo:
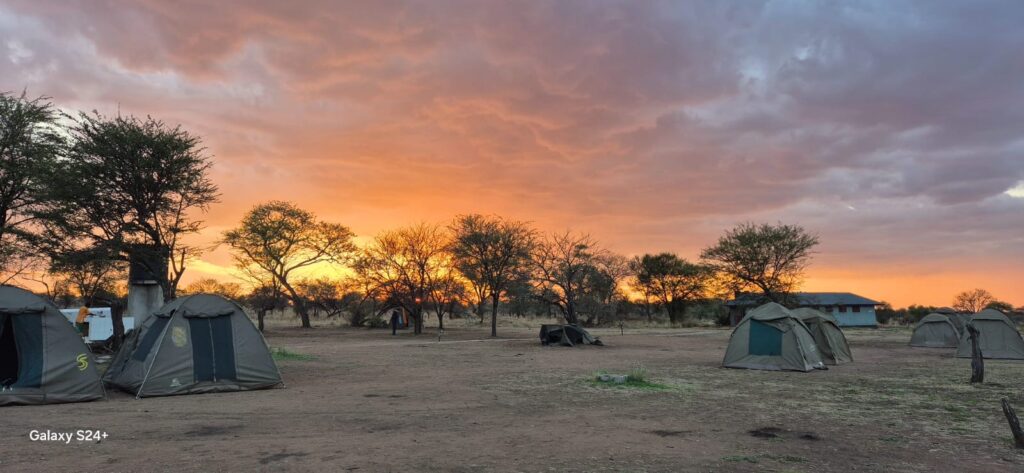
652	126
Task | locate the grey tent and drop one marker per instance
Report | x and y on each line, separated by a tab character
997	336
770	337
827	335
195	344
566	335
935	331
42	359
958	320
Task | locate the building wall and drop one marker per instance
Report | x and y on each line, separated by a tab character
865	318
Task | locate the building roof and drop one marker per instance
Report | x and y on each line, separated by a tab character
808	299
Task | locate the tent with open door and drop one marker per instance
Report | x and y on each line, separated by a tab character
195	344
997	336
935	331
827	335
770	337
42	359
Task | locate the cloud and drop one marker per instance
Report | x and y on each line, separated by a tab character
653	125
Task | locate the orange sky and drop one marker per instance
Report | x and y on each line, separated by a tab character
893	132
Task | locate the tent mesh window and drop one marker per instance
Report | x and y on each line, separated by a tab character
765	340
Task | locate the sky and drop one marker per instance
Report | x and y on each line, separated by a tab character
892	129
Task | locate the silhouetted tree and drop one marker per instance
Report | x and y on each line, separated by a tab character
768	258
492	253
30	144
674	281
973	301
277	238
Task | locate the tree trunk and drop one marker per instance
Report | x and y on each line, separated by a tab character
440	320
494	314
259	319
298	304
1011	418
977	362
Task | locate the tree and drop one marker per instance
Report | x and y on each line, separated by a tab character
277	238
973	301
30	144
405	267
126	188
602	288
265	298
1004	307
230	290
768	258
561	265
491	253
673	281
322	295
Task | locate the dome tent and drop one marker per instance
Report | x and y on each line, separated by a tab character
997	336
42	359
827	335
195	344
770	337
935	331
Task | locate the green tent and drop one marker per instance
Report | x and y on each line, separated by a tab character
935	331
827	335
998	337
42	359
195	344
770	337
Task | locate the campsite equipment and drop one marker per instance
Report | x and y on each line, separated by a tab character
770	337
42	358
998	337
566	335
827	335
935	331
100	322
195	344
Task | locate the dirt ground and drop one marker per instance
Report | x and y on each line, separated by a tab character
362	400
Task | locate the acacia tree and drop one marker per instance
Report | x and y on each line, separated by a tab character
602	289
561	265
672	280
492	253
768	258
405	267
125	189
228	289
30	144
322	295
973	301
277	238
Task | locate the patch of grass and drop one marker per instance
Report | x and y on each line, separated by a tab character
281	354
636	379
787	458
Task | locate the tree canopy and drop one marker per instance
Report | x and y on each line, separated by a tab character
31	142
125	189
767	258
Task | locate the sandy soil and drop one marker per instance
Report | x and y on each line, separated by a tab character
367	401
